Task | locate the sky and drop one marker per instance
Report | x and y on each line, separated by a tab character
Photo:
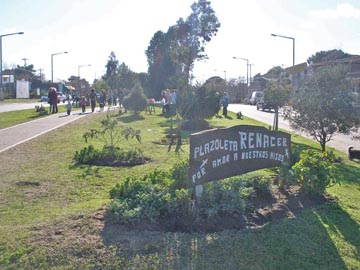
89	30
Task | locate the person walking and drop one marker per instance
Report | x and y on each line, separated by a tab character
102	100
83	104
68	107
93	99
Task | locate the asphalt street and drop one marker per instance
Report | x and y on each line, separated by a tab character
8	107
339	141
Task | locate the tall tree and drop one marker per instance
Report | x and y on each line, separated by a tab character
99	85
194	33
171	55
326	105
160	64
119	76
329	55
111	70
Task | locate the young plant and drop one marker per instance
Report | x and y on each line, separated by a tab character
314	171
285	175
111	134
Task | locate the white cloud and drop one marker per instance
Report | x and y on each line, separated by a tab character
341	11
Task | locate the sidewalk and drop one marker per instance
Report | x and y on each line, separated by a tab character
12	136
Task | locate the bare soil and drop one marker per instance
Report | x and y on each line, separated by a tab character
83	233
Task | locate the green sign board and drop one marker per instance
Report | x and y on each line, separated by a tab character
220	153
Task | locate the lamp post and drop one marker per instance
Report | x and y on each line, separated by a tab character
81	67
276	119
1	78
247	68
293	39
52	65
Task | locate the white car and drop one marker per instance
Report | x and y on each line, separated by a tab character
61	97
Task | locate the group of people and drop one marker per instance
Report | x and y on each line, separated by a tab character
53	100
168	102
112	98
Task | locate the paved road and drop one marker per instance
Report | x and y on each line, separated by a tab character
340	142
7	107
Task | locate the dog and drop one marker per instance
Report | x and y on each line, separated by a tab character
353	153
239	115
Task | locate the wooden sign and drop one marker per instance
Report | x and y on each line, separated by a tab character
220	153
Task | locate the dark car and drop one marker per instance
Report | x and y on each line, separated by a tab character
44	98
265	105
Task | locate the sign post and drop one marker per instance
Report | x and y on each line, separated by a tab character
221	153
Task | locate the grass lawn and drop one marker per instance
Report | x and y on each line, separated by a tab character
8	119
52	213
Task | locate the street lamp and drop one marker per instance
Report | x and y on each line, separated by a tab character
247	68
276	119
52	65
293	39
1	78
81	67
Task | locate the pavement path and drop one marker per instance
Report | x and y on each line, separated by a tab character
14	135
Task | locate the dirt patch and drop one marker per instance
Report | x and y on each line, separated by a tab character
94	235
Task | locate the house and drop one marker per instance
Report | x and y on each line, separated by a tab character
299	72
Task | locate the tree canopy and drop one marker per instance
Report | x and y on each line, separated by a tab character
119	76
171	55
329	55
326	105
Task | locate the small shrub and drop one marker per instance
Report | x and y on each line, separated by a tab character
88	155
146	197
180	175
165	194
314	171
136	101
110	155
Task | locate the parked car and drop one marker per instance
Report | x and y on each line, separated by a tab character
61	97
265	105
44	98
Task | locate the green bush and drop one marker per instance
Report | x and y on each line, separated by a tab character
314	171
233	195
146	197
108	156
180	175
165	194
136	101
202	102
88	155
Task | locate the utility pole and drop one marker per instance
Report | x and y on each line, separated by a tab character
24	59
40	71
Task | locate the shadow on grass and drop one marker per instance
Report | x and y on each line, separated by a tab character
298	243
88	170
347	173
340	224
129	118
